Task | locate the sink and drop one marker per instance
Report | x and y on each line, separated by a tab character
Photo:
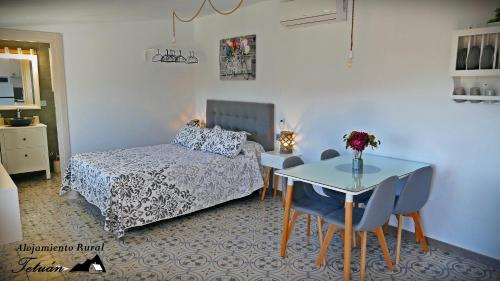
19	122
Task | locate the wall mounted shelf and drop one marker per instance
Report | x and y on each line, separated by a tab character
475	98
475	63
476	73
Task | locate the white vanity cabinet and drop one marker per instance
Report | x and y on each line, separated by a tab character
24	149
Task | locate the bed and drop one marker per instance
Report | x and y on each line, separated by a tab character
137	186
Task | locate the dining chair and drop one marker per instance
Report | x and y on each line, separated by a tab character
357	199
412	198
371	218
306	200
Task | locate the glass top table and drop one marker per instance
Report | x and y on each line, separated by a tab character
337	173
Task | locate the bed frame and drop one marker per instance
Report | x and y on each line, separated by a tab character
255	118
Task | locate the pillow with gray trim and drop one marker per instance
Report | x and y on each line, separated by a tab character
224	142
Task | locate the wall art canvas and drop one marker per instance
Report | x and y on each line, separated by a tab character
237	58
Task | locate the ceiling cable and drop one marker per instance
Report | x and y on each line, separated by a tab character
175	16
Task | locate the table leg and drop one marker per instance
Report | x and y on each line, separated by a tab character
267	172
347	237
286	217
283	190
275	185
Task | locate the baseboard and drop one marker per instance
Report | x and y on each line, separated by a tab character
489	261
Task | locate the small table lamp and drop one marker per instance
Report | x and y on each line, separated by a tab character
287	140
195	122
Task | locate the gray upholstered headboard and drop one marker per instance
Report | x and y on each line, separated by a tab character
255	118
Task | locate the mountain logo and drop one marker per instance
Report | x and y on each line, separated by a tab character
93	265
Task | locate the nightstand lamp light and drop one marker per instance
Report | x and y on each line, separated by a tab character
287	140
195	122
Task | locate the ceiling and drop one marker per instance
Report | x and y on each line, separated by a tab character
40	12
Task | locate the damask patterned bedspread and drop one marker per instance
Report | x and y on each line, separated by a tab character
137	186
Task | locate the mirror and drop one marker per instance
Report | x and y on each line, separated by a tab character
19	86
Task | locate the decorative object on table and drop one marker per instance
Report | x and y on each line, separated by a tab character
489	92
36	120
358	141
496	19
237	58
459	91
357	177
287	140
171	56
224	13
475	91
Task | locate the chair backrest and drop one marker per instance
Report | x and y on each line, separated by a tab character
325	155
292	161
380	206
415	193
301	190
329	154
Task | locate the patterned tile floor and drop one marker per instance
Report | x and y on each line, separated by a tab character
235	241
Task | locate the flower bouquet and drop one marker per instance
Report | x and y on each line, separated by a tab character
358	141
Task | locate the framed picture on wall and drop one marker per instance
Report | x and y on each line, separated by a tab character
237	58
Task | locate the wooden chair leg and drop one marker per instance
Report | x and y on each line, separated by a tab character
398	242
363	256
267	172
383	245
417	232
275	185
386	226
296	214
308	225
418	227
320	229
320	232
418	235
324	246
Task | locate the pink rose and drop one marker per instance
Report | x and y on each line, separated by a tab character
358	144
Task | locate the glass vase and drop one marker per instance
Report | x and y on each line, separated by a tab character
357	162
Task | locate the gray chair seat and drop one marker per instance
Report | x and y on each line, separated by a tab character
320	207
308	201
339	196
337	217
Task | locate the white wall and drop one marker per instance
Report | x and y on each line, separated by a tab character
115	98
397	88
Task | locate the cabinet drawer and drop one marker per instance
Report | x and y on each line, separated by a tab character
23	138
25	160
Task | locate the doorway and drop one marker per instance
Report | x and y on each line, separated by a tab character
56	56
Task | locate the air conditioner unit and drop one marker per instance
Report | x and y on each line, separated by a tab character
297	13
